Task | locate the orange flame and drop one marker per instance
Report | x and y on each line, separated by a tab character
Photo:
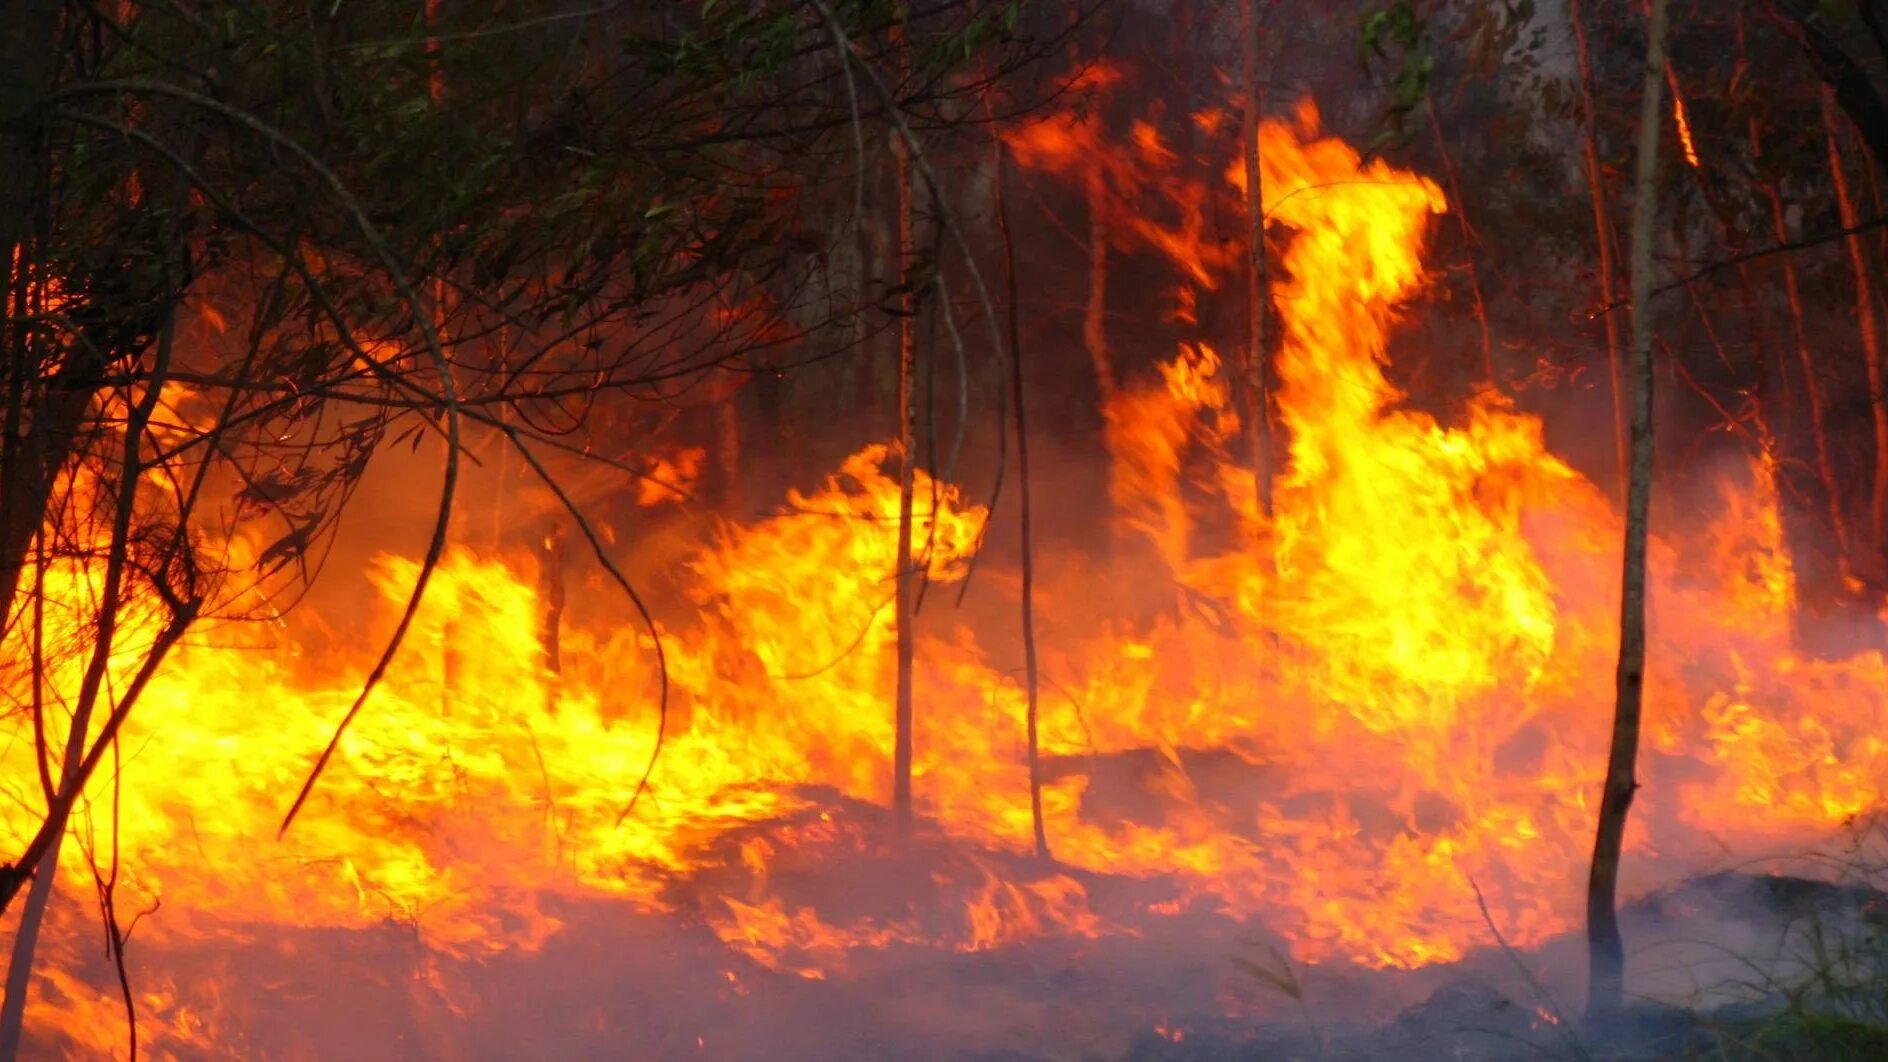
1680	120
1404	674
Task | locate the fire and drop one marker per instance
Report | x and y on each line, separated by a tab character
1684	132
1680	119
1419	641
1405	670
670	477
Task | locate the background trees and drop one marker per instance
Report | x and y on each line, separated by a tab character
252	246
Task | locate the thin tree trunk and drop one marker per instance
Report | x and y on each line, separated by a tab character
728	449
1602	229
502	480
1258	291
1094	318
1031	679
1606	952
435	54
908	457
1865	321
1812	384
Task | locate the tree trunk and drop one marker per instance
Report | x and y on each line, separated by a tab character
728	449
908	456
1031	678
1258	292
1871	340
1812	384
1602	229
1606	953
1094	318
32	446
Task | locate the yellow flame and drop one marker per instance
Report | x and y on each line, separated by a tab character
1407	668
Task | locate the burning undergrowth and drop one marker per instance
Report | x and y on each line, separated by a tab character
1365	735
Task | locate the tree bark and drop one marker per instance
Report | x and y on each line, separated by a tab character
1606	952
1602	229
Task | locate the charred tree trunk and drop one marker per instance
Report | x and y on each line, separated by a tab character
1258	293
1094	316
1812	383
1606	952
905	592
1826	597
1602	230
728	450
1031	678
1871	340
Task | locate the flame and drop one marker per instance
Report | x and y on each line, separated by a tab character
670	477
1419	639
1405	671
1680	119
